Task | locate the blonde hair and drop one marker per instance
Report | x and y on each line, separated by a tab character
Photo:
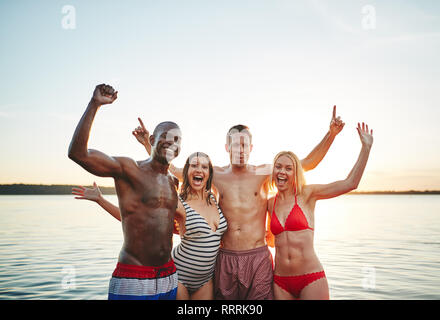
299	180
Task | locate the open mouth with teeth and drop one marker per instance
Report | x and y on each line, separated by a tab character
169	151
281	181
197	180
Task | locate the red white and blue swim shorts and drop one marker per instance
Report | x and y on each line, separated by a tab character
131	282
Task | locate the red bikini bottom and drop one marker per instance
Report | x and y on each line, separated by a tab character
295	284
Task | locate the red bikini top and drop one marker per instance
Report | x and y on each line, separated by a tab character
296	220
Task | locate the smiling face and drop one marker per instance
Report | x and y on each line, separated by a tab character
288	174
197	175
198	172
166	143
284	173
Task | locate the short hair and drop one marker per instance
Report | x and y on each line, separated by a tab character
164	126
238	128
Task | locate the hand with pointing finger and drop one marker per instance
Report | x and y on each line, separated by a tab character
141	133
336	124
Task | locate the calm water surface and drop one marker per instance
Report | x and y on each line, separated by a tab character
371	247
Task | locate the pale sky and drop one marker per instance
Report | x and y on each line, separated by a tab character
276	66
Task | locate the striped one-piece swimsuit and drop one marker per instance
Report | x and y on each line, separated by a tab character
196	254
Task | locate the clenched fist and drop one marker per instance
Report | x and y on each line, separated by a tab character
104	94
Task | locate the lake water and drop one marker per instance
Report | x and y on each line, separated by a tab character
371	247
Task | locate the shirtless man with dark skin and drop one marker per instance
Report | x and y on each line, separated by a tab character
244	263
147	199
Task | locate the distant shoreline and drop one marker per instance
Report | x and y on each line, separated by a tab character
40	189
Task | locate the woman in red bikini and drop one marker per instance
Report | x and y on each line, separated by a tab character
298	274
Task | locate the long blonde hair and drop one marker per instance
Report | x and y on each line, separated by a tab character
299	180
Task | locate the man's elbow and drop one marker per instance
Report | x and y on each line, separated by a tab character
71	154
75	155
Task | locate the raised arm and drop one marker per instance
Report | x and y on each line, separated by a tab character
95	195
325	191
94	161
318	153
142	136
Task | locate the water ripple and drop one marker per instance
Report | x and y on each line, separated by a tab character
376	253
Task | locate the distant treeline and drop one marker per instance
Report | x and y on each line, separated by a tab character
45	189
67	189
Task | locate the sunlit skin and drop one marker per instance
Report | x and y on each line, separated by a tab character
243	199
294	250
242	187
243	196
198	174
145	189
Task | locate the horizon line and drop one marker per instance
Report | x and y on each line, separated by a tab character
112	187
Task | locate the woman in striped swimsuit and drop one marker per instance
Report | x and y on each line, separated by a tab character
201	226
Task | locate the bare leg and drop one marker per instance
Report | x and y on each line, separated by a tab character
205	292
281	294
317	290
182	292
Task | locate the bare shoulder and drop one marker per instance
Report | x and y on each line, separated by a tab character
264	169
127	162
266	166
220	169
308	191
